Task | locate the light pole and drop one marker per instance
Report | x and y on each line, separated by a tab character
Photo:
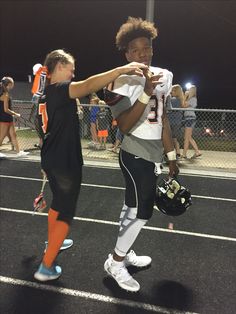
150	10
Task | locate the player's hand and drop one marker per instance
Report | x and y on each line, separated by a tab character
151	81
133	68
173	169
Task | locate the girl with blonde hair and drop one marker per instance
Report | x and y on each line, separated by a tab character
189	122
175	117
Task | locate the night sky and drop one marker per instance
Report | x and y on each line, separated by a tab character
197	40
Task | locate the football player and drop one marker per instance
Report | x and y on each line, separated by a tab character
138	105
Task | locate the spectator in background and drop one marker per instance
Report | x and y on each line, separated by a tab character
94	100
7	127
102	125
176	100
189	122
118	141
80	114
85	122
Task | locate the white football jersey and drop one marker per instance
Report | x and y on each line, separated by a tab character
148	129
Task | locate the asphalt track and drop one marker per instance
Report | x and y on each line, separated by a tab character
193	268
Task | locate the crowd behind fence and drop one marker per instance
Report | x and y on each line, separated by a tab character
214	132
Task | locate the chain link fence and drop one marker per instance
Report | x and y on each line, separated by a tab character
214	132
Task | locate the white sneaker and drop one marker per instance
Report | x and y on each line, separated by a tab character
2	155
22	154
121	275
131	259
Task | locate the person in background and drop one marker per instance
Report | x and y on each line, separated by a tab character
7	128
138	105
118	141
190	101
176	100
94	109
102	125
61	155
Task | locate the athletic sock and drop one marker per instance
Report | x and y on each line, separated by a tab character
52	218
57	237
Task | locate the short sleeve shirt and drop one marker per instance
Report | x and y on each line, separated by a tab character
60	124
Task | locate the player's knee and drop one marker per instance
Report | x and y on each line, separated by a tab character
145	214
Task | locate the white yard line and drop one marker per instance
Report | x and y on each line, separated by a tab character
108	222
91	296
117	188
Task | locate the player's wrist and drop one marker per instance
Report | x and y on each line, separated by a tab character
144	98
171	155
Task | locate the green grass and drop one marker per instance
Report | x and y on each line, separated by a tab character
26	134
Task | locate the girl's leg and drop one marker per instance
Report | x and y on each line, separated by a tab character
187	136
13	136
4	129
195	147
177	146
93	130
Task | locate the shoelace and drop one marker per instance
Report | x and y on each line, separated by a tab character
131	257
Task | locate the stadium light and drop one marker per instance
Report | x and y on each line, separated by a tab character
188	85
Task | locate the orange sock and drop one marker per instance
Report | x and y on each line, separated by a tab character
57	237
52	217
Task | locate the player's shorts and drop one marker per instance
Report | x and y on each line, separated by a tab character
189	123
65	189
102	133
6	118
7	123
140	183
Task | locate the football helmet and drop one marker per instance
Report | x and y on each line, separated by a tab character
171	198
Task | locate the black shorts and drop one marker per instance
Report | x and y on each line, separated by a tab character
65	189
140	182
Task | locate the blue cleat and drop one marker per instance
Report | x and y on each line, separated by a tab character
44	273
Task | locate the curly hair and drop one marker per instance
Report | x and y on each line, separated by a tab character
134	28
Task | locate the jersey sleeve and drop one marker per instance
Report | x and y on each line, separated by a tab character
119	98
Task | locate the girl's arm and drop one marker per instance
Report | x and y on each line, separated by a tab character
97	82
6	107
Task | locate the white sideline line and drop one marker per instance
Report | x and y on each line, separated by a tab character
108	222
119	188
91	296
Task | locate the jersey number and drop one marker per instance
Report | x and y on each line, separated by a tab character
156	112
43	113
